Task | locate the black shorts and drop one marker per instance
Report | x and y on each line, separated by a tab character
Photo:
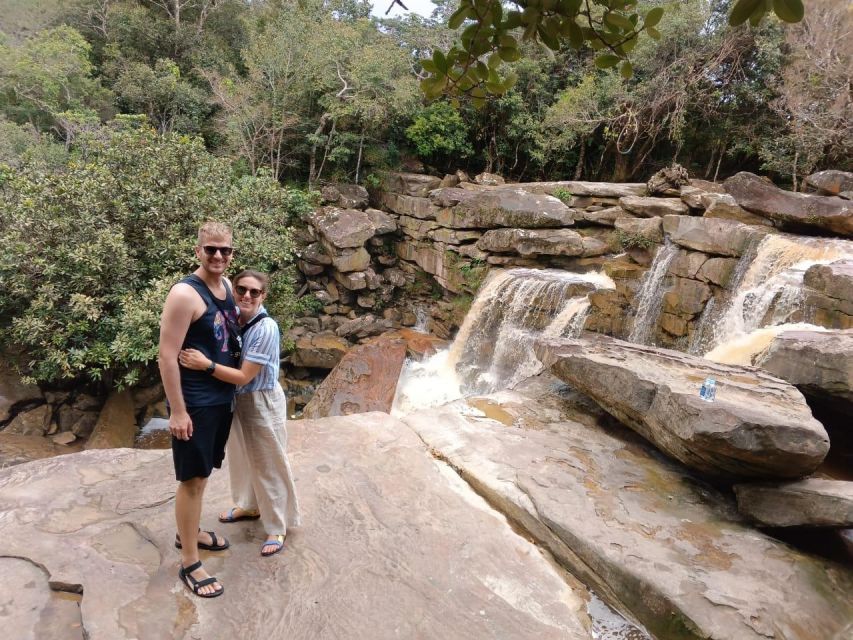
196	457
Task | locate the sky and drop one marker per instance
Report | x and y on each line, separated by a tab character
422	7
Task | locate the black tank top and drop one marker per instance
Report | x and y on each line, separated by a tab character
209	334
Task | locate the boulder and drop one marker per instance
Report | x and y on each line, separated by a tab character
686	264
507	208
818	363
686	297
346	196
489	179
413	206
812	502
346	260
381	221
415	228
364	380
831	182
717	271
593	189
606	217
315	254
409	184
691	196
362	327
32	422
14	391
452	236
709	235
116	425
649	207
343	228
795	210
381	512
649	229
671	552
722	205
450	197
320	351
533	242
829	294
758	426
668	180
351	281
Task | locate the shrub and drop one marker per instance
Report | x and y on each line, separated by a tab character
561	193
440	135
91	249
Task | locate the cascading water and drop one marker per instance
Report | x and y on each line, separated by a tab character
767	287
494	347
650	296
421	320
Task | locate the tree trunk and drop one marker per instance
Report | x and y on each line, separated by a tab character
312	159
358	161
719	161
326	148
794	170
620	167
581	159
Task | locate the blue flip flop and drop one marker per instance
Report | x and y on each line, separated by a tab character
232	518
278	543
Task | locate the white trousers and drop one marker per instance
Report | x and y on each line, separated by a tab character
261	478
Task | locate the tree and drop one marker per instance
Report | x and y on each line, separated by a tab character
90	250
493	33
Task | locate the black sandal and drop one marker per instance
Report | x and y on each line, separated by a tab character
215	546
185	574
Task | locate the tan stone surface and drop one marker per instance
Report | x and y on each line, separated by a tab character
709	235
758	427
393	545
116	425
321	351
672	551
813	502
650	207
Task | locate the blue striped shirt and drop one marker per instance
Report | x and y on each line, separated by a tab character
261	346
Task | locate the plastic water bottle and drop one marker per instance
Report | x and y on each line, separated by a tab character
709	390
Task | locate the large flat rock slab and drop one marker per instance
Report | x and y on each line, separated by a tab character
813	502
394	545
758	426
668	549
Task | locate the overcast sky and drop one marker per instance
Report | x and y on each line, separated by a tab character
423	7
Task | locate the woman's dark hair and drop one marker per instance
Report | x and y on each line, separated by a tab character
263	278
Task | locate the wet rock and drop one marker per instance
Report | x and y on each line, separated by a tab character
717	271
116	425
649	207
829	294
645	536
506	208
533	242
686	264
709	235
343	228
831	182
14	391
813	502
409	184
686	297
818	363
320	351
17	449
382	512
758	426
796	210
364	380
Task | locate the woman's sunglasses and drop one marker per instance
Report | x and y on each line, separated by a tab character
241	291
224	251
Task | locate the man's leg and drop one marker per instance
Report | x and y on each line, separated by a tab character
188	516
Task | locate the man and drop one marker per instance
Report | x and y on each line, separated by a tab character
199	313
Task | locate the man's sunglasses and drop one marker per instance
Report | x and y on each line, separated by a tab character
241	291
223	251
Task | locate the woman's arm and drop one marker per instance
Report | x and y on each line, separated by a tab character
194	359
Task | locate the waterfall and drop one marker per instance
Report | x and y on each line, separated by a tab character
767	288
494	347
650	296
421	320
744	349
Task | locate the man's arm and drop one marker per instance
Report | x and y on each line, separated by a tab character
174	323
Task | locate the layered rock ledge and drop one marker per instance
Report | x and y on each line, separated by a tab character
758	427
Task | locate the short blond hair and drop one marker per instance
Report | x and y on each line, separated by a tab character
213	228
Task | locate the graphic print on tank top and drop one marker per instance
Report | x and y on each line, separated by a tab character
220	328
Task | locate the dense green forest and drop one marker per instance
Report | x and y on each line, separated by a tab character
316	91
124	123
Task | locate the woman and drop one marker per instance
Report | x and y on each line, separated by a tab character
261	479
